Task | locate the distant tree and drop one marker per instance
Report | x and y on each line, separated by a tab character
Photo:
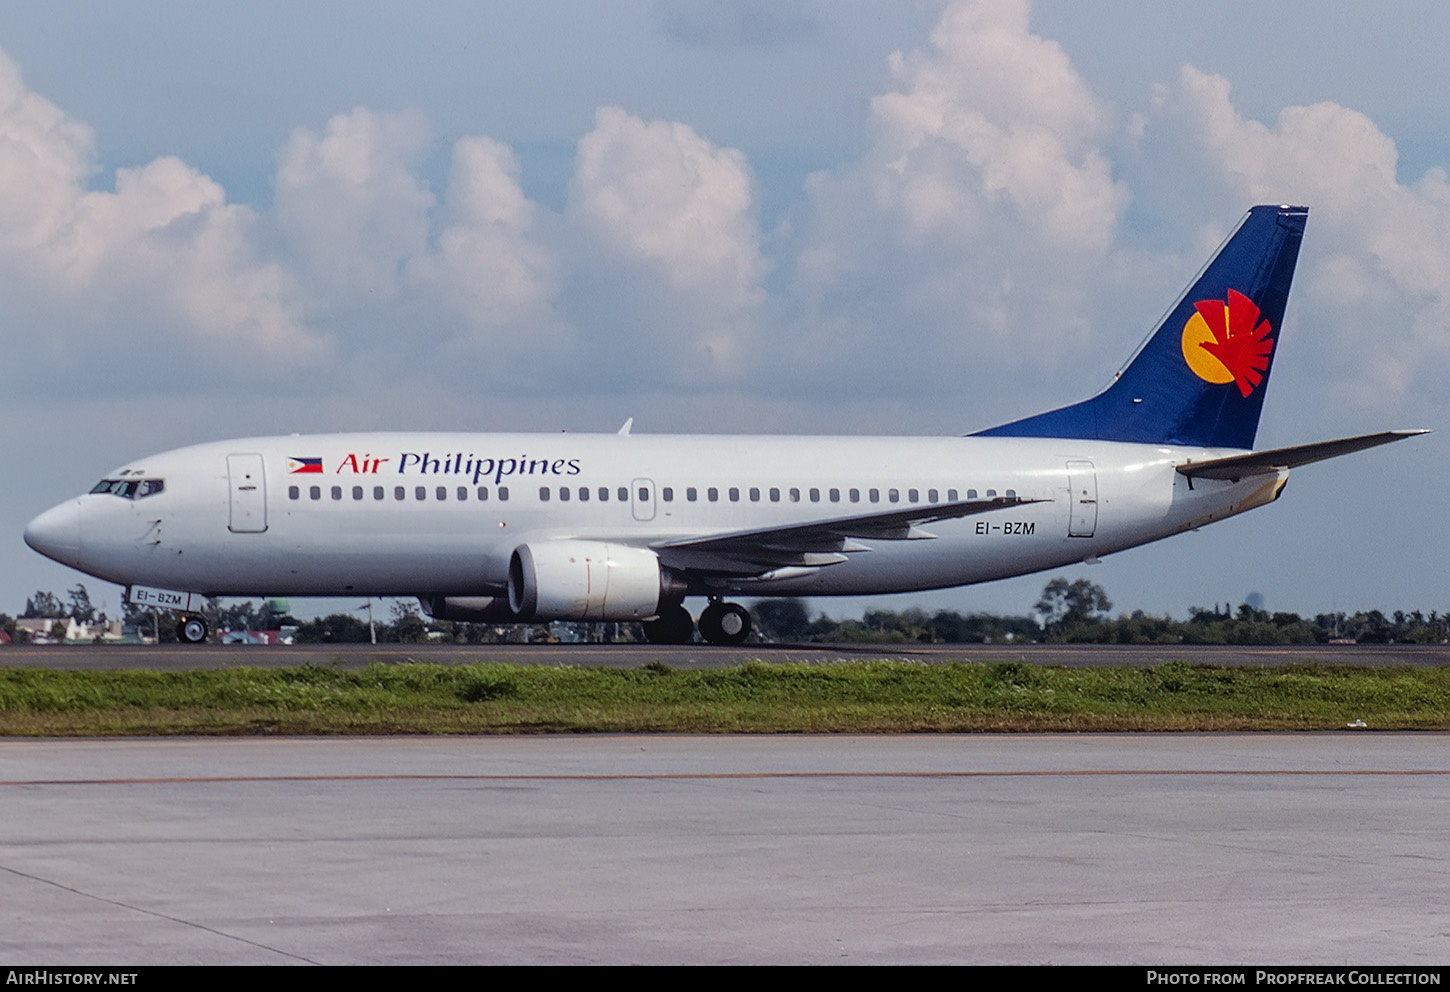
237	616
950	627
80	604
338	628
1067	604
408	626
782	619
42	605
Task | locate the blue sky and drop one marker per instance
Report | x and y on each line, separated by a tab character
787	217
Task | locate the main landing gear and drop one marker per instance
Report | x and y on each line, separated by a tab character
674	625
191	630
725	623
721	623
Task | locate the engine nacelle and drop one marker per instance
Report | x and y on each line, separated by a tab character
588	580
473	609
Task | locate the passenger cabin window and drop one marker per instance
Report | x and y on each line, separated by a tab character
734	494
931	495
874	495
583	494
315	492
357	492
604	494
835	495
855	495
337	492
755	494
795	495
774	494
667	494
564	493
377	492
399	493
543	494
292	492
503	492
815	495
691	494
463	494
712	494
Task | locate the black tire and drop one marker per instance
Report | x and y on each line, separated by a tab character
191	630
725	623
674	625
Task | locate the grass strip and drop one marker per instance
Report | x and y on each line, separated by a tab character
758	697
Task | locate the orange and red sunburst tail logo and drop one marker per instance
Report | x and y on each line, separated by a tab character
1226	342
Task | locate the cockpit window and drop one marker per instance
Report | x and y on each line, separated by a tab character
130	488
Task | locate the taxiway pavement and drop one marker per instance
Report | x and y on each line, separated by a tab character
179	657
1204	848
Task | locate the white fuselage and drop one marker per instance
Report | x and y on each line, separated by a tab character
440	514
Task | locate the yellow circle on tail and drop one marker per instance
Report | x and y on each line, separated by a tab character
1204	365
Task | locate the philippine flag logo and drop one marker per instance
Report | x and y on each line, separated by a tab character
304	466
1225	341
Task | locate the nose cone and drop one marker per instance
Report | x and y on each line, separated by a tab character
56	533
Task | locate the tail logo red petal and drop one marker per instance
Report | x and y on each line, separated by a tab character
1225	341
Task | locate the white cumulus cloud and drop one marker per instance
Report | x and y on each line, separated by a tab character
350	204
658	192
676	214
976	224
164	258
488	265
1374	282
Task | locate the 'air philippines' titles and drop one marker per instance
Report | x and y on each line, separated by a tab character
455	463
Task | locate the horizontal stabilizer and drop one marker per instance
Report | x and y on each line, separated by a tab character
1235	467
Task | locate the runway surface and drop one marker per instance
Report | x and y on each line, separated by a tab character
1224	848
174	657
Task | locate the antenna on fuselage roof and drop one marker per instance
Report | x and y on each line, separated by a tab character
627	425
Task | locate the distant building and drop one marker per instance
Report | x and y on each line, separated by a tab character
259	637
43	630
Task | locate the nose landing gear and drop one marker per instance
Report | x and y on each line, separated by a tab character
191	630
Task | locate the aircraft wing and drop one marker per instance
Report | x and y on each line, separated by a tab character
821	542
1235	467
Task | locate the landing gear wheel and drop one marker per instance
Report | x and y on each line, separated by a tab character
725	623
191	630
673	626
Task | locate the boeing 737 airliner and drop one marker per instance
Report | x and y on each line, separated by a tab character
520	527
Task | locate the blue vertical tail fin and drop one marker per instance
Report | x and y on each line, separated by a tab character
1200	377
